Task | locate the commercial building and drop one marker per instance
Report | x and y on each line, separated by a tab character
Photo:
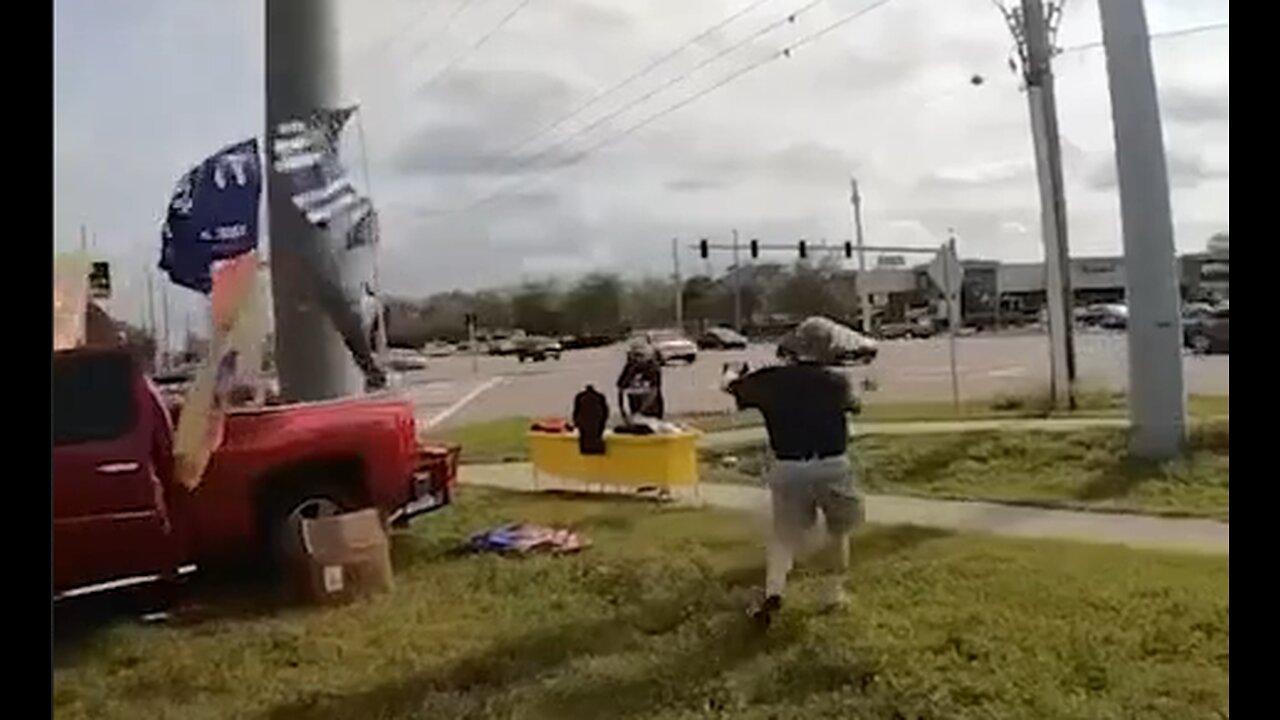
1002	293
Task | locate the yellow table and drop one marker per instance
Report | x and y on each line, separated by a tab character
662	461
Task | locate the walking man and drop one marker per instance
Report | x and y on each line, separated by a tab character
804	404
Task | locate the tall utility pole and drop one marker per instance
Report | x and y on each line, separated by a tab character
679	284
302	77
1157	396
1033	32
737	285
864	298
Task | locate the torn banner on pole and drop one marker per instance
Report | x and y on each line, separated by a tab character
305	156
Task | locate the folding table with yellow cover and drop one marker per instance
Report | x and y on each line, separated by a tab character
664	461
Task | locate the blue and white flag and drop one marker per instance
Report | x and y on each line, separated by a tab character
306	153
213	215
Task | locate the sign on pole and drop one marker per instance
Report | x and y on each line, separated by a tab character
948	274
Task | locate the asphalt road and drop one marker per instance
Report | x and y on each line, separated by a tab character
457	390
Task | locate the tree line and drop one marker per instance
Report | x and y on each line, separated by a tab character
606	304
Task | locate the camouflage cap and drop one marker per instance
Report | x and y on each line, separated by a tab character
811	341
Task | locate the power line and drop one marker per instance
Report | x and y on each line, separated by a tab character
609	140
404	29
635	76
479	43
671	82
1224	25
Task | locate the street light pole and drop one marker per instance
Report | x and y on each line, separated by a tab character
864	298
301	78
1157	395
679	284
737	285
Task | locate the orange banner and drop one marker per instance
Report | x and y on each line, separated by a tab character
70	299
235	358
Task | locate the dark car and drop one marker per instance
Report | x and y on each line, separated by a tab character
721	338
537	349
906	330
1209	331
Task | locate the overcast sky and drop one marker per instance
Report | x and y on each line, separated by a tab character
146	88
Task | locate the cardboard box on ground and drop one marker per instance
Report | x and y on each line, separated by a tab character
345	557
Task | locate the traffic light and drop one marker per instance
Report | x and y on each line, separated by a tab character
848	249
804	250
703	251
755	249
100	280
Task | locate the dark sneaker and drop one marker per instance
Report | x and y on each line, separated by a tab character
762	614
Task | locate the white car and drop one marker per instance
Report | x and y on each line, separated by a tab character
438	349
671	345
405	359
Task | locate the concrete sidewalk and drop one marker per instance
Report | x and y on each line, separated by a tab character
1141	531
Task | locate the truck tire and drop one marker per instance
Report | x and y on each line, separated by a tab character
284	515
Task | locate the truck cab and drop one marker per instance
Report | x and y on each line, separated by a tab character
119	518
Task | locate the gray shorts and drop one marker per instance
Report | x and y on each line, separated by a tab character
801	488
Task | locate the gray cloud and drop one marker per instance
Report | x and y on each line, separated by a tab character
1185	169
1191	106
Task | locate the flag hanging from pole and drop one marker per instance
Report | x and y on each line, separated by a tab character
213	215
305	152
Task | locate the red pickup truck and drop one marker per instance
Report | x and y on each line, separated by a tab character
120	519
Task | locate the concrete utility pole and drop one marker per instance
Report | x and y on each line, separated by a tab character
1032	31
302	76
1157	396
679	284
864	298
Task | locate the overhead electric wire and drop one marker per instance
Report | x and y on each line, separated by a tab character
653	65
671	82
404	29
1156	35
479	43
609	140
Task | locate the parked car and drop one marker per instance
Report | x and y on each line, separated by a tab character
505	346
120	517
670	345
852	347
900	330
537	349
406	359
1109	316
1209	332
439	349
721	338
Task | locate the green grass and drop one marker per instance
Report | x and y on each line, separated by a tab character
648	624
493	441
497	441
1085	469
1089	404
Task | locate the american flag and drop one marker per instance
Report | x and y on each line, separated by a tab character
306	152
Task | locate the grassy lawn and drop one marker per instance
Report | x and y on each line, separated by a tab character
502	440
1007	407
1085	469
648	624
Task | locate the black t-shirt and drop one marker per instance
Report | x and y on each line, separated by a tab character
804	408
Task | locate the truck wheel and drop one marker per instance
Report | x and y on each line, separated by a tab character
284	519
